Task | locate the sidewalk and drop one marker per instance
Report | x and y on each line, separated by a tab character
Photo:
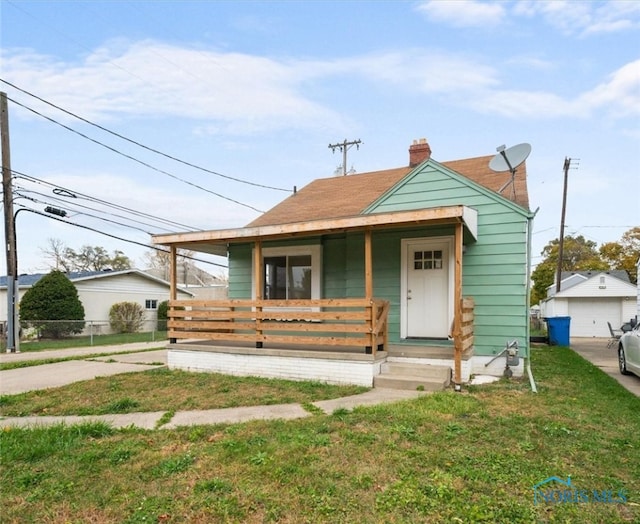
79	352
220	416
119	360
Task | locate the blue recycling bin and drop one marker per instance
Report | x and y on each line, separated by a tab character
558	329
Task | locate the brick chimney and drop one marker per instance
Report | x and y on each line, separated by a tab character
419	151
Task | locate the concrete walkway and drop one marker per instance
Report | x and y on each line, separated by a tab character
121	360
20	380
137	357
80	352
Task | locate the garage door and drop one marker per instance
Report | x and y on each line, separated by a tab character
589	317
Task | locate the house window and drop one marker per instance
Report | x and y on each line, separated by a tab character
287	277
291	273
151	304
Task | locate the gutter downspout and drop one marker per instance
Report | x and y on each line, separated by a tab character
528	328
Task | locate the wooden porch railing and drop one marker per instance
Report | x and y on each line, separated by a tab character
324	322
462	335
466	323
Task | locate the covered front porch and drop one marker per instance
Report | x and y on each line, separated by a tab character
338	340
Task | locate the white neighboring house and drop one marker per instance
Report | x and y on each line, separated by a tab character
99	290
591	299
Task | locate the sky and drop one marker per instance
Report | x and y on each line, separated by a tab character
140	117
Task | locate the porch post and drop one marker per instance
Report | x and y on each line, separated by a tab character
368	265
457	322
368	288
257	273
173	278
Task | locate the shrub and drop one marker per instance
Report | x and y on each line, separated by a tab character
126	317
163	310
52	307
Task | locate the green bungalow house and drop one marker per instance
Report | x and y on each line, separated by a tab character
406	277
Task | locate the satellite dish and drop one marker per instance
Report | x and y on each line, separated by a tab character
509	160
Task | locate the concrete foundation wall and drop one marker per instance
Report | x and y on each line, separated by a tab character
331	371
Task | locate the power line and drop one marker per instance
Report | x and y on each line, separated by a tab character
122	137
76	212
145	164
60	190
155	248
71	204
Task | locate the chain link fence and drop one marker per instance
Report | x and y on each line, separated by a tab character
86	332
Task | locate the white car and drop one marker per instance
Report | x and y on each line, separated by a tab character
629	352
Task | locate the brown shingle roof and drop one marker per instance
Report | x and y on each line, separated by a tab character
349	195
477	169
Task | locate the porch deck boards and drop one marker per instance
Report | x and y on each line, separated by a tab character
281	350
428	350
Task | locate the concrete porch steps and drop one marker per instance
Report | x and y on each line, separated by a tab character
425	377
425	352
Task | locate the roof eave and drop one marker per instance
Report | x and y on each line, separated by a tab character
215	241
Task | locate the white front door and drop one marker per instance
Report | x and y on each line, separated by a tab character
427	288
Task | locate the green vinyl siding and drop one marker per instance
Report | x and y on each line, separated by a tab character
334	260
494	268
240	271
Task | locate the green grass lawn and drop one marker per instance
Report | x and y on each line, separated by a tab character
447	457
164	390
86	341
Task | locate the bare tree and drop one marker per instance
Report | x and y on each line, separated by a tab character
160	260
55	251
87	258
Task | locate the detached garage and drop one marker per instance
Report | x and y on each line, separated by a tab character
591	299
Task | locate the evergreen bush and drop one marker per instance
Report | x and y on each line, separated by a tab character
163	310
52	307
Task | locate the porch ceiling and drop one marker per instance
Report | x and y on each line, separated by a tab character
216	241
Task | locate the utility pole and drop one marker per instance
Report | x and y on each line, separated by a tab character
344	147
567	165
9	227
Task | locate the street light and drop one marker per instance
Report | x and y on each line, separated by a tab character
13	292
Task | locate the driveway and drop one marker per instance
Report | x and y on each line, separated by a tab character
595	351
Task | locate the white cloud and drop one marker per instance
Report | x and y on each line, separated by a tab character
428	72
463	13
148	78
619	97
531	62
526	105
584	18
240	94
620	93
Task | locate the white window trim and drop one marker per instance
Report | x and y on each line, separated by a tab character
151	300
314	250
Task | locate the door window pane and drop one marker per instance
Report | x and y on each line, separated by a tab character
427	260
